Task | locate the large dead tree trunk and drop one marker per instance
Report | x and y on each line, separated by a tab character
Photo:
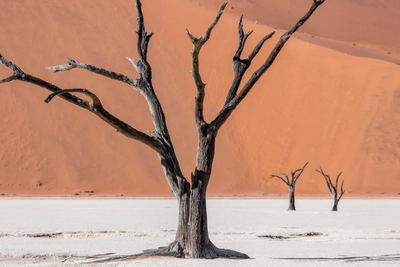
333	188
192	238
291	183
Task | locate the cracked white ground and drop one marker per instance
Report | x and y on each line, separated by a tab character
62	232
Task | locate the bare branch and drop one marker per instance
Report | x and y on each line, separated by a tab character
277	176
337	179
200	85
119	125
240	66
274	53
286	176
333	189
62	67
134	64
71	64
144	83
259	45
160	141
341	190
143	37
18	74
327	180
231	103
16	70
242	38
96	101
9	79
296	174
208	32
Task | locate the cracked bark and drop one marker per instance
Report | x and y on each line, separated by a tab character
192	237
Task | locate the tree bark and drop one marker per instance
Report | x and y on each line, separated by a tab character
199	245
291	198
335	204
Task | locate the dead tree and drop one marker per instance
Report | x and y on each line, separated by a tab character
192	237
291	183
333	189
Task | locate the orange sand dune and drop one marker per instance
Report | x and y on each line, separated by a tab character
367	28
316	103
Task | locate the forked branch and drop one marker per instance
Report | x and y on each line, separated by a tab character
341	190
233	98
286	180
240	66
119	125
160	141
333	188
294	176
200	85
291	183
143	37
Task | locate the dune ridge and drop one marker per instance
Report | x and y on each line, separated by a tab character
319	102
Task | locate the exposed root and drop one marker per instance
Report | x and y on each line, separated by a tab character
172	250
212	252
231	254
175	250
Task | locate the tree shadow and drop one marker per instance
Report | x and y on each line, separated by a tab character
387	257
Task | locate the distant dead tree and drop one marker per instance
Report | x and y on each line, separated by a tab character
192	237
291	183
333	188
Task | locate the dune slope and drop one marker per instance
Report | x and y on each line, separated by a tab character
316	103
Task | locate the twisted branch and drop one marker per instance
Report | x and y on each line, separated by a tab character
96	103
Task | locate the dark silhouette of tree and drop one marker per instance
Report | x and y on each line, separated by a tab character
291	183
333	189
192	237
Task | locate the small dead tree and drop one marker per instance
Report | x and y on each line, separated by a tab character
333	189
192	237
291	183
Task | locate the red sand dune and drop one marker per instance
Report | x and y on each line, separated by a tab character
332	97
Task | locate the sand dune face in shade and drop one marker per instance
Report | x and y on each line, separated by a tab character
331	98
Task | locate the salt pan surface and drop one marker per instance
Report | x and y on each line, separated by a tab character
44	232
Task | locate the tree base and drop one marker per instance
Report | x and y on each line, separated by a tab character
175	250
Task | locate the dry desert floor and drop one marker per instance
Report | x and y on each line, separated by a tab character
64	232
